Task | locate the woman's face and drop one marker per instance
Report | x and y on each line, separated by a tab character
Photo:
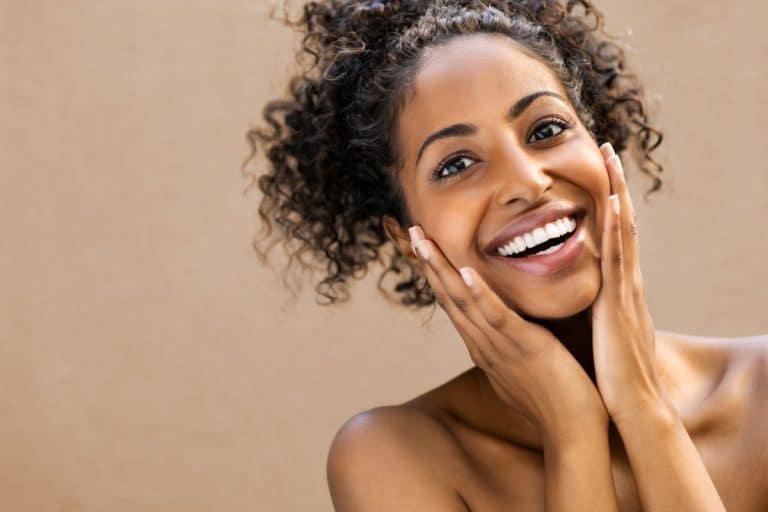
520	158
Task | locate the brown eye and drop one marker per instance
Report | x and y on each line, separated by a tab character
451	167
547	130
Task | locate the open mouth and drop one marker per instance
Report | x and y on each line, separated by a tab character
551	245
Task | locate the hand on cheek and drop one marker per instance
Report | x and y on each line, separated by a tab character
526	364
623	333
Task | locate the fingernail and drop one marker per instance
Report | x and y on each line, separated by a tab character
617	164
413	231
614	198
607	150
466	275
422	248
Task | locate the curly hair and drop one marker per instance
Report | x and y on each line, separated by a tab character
332	154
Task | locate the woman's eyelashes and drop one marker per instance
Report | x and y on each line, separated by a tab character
439	173
547	129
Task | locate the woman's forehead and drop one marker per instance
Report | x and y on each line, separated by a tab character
475	66
470	77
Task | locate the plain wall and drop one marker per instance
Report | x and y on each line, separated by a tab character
149	362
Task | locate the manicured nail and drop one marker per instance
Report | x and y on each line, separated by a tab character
617	164
607	150
413	231
416	244
466	275
614	198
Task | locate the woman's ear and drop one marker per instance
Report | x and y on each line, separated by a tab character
398	235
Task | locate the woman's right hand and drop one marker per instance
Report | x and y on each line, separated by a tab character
528	367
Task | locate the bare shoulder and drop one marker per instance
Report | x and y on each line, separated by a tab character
732	348
729	421
392	458
738	364
748	356
754	352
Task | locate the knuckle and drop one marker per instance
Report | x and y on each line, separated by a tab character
460	303
617	260
496	319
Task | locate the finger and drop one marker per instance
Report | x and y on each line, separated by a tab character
441	274
629	230
628	218
471	334
612	258
451	294
526	337
468	332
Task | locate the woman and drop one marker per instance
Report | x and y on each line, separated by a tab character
481	141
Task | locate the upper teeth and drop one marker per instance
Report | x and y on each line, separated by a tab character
538	236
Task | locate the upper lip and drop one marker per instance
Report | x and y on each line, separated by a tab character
536	219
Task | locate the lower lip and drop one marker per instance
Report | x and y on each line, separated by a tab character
545	264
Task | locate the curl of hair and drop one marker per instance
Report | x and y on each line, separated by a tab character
331	144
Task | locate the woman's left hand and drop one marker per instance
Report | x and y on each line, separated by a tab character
623	336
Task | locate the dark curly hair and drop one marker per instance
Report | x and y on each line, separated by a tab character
333	160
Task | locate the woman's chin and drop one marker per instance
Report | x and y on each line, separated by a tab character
561	304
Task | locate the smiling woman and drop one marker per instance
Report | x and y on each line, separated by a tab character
333	146
473	146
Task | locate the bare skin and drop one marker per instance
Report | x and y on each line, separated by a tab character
479	456
576	402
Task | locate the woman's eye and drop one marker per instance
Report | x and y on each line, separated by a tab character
456	165
451	167
548	129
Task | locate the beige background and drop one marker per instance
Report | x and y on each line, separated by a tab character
148	362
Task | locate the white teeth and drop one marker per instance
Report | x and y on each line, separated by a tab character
539	235
519	244
552	230
528	238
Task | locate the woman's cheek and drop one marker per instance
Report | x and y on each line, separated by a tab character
580	162
454	224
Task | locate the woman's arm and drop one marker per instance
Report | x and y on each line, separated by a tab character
578	473
668	469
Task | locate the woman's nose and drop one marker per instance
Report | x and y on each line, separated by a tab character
518	174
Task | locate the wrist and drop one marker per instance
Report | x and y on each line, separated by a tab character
655	412
572	433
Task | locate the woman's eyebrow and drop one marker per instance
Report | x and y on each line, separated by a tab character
461	129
